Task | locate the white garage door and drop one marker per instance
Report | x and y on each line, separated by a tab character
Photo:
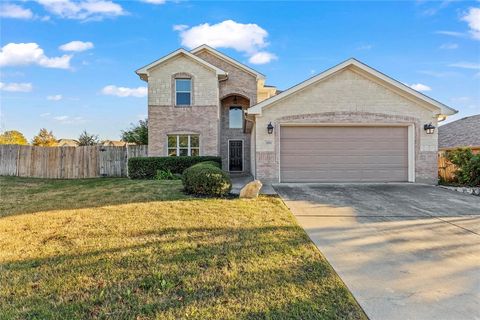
343	154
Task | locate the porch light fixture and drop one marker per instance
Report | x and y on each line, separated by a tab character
270	128
429	128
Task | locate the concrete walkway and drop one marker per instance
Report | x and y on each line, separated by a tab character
238	182
406	251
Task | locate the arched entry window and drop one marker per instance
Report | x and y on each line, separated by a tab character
235	117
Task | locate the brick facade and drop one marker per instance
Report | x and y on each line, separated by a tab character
227	133
242	84
239	81
346	97
165	120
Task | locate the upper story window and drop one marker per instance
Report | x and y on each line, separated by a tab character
235	118
183	92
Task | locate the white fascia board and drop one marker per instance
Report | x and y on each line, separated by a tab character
227	58
444	110
144	70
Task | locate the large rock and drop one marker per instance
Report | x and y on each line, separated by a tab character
251	190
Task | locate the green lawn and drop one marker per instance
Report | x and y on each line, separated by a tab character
123	249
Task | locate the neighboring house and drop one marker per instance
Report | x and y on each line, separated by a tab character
115	143
460	133
67	143
349	123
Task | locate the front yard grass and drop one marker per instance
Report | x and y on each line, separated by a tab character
126	249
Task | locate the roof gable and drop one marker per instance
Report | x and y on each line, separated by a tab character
224	57
356	66
143	72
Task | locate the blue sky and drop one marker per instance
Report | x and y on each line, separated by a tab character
69	65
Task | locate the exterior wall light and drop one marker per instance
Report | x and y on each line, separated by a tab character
429	128
270	128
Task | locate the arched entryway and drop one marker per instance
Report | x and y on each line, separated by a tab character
234	141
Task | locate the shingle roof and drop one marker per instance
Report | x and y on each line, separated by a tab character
461	133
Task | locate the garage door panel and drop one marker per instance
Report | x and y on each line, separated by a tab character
308	147
327	161
394	175
335	132
342	154
389	150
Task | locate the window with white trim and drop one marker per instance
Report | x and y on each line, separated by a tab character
183	92
183	145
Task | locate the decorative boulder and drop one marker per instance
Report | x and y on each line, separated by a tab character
251	190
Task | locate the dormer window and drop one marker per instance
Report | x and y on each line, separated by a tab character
183	92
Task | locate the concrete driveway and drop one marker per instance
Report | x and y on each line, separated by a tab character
406	251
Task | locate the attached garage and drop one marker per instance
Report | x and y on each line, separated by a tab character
343	153
350	123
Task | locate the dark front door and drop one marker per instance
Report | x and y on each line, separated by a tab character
235	155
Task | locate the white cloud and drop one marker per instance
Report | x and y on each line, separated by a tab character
365	47
466	65
179	27
473	20
68	120
45	114
420	87
56	97
154	1
76	46
23	54
461	99
10	10
16	87
227	34
449	46
83	10
451	33
262	57
248	38
123	92
439	74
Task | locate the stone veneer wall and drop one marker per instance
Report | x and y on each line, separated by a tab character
239	81
346	97
233	134
242	84
165	118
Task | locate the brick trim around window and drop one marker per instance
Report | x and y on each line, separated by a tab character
182	75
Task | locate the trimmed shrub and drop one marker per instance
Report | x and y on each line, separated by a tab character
211	163
166	175
468	166
147	167
206	179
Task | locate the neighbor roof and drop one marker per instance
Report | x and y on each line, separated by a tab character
445	110
460	133
144	70
227	58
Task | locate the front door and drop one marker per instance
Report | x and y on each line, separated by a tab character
235	158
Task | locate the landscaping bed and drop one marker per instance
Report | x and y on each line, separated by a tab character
141	249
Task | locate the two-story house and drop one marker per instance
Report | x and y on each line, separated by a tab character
349	123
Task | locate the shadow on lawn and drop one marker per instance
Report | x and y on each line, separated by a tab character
268	272
30	195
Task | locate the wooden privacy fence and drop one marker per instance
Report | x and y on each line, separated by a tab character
446	169
67	162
